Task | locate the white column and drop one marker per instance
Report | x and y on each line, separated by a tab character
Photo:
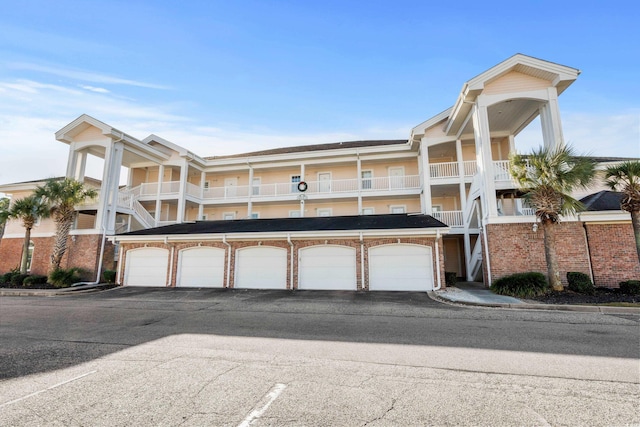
159	190
203	177
302	199
426	178
115	164
81	166
462	188
512	144
250	202
484	158
359	174
72	161
550	120
182	191
103	199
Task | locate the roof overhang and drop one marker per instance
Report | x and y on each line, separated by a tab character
560	77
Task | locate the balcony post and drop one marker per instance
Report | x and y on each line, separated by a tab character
461	174
425	197
250	192
359	174
184	173
156	216
483	154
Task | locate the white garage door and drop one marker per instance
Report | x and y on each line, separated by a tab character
147	267
400	267
201	267
327	267
261	267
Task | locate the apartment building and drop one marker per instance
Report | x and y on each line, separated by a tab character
366	215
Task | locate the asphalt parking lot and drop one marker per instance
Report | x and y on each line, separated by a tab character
187	357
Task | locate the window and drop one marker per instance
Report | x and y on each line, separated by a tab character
37	223
204	217
255	187
368	211
254	215
30	255
228	215
294	214
206	185
397	209
366	179
436	208
295	179
324	212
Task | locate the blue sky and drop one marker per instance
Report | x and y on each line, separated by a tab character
221	77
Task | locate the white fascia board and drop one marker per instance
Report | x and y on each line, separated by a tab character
605	217
182	152
429	123
281	235
33	234
24	186
306	156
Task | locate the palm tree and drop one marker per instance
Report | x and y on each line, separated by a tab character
625	178
548	176
28	210
62	195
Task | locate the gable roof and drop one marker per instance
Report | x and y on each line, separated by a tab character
332	223
313	147
603	201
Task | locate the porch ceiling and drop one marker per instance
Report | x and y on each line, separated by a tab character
509	116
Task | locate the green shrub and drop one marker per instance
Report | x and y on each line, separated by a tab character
5	279
109	276
450	278
630	287
521	285
580	283
63	278
17	279
35	279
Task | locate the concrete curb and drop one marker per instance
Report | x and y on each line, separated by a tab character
549	307
78	290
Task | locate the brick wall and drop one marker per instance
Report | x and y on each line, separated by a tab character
82	252
613	253
516	248
297	245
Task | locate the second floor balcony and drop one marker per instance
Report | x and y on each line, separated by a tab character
374	186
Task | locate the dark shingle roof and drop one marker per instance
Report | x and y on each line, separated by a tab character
314	147
333	223
603	201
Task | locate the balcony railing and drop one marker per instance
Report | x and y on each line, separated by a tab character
392	183
451	218
452	169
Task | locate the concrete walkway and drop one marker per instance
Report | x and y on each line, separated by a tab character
476	294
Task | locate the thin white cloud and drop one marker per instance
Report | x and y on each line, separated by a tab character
88	76
612	135
94	89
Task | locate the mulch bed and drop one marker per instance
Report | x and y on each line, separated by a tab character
601	296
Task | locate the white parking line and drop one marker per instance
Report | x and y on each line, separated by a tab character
266	401
46	389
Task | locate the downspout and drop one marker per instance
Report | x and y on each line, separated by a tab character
224	241
120	255
486	251
362	261
166	242
438	276
291	262
99	273
586	240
